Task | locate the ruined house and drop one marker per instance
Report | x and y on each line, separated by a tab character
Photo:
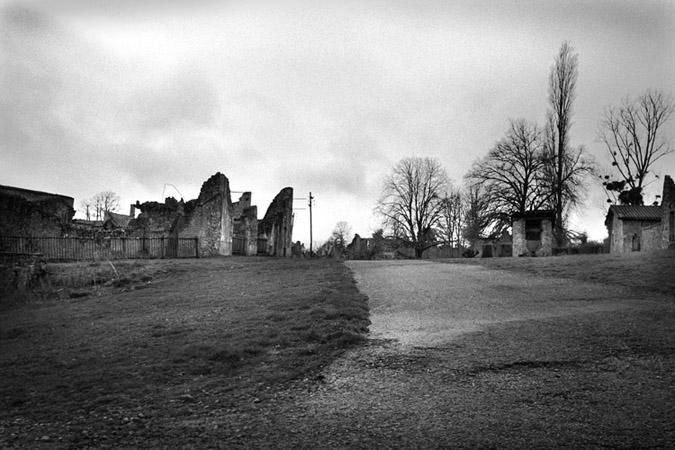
533	233
634	228
221	226
245	223
24	212
212	223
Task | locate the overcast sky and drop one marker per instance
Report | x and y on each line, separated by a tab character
322	96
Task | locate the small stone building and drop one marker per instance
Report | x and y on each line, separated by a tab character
533	233
634	228
643	228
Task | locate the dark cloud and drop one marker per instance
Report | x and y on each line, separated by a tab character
323	96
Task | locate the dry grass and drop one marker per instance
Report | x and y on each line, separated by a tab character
125	363
653	271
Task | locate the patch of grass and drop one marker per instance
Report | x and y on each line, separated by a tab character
205	333
652	271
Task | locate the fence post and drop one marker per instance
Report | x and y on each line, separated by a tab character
163	253
196	247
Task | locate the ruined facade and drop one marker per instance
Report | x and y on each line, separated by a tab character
533	233
24	212
643	228
245	222
276	228
222	227
210	218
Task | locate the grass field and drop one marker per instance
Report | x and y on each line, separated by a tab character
229	352
126	363
653	271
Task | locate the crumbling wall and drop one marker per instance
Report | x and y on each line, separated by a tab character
156	219
277	225
519	242
245	218
211	219
546	248
32	213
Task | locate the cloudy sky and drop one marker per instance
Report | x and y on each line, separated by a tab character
131	95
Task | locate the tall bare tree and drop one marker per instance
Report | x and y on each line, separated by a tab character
103	202
481	219
566	167
451	223
411	201
633	136
512	172
86	206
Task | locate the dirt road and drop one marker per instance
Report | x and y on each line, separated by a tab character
422	303
463	356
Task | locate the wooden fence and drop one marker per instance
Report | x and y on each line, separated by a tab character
70	248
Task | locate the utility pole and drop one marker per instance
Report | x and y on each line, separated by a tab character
311	253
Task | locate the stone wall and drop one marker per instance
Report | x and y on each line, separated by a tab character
157	219
24	212
546	248
615	229
647	233
650	238
277	225
245	218
211	219
518	231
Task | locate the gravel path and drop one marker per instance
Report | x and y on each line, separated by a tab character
422	303
463	356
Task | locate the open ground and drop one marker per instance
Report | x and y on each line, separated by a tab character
573	351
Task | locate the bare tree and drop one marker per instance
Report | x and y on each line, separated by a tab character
451	223
566	167
86	206
482	220
512	172
411	201
103	202
632	134
341	235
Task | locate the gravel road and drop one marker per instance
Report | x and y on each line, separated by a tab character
423	303
464	356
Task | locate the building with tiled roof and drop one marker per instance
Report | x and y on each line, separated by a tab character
643	228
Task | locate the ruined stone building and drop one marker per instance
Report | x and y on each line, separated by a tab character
24	212
220	226
533	233
643	228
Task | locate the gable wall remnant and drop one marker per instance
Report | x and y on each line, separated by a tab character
211	219
277	225
245	218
